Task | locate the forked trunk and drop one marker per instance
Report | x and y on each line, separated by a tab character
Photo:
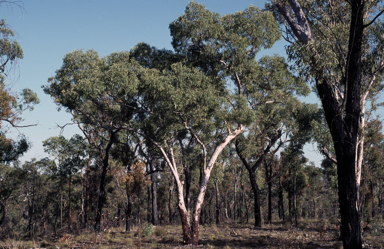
102	194
190	227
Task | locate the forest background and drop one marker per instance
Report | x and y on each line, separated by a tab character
297	180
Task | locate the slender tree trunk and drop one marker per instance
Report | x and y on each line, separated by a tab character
3	208
149	204
281	201
290	205
217	206
102	195
372	199
128	213
190	226
155	216
69	203
256	196
61	203
268	172
170	205
294	200
87	192
234	196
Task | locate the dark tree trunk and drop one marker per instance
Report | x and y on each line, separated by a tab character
217	206
187	174
69	203
372	199
128	213
155	216
87	192
61	202
294	200
148	204
290	206
3	209
252	169
256	196
102	194
344	129
342	118
268	174
281	202
235	197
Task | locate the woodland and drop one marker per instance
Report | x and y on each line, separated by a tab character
202	145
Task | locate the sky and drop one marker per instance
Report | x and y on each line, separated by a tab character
47	30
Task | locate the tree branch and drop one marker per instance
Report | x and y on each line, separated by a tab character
374	19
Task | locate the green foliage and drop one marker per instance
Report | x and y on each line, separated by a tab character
11	105
147	229
68	153
377	226
10	49
225	47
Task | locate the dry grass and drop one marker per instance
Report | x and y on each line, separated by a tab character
309	234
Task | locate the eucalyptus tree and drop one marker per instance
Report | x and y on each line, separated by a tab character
373	167
82	87
339	44
11	105
125	153
12	178
225	47
184	102
69	155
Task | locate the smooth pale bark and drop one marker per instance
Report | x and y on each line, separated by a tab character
170	205
190	225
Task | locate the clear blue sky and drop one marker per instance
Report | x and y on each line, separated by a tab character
47	30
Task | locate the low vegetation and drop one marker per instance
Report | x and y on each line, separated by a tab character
308	234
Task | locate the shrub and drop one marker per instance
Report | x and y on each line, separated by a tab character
147	230
160	231
128	242
376	228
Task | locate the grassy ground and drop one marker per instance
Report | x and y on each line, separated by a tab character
308	234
